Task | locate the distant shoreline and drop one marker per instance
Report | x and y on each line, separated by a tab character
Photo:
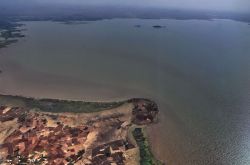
93	13
9	27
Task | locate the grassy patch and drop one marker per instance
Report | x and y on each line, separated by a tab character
146	156
54	105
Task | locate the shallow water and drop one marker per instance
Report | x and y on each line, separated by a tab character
197	71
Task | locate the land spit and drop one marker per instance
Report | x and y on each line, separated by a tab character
72	132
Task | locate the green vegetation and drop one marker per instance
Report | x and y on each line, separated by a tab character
146	156
56	106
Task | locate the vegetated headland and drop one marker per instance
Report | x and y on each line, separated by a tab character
75	132
10	32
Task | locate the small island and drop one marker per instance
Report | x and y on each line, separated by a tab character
48	131
158	26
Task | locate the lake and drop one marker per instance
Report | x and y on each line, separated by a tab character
198	72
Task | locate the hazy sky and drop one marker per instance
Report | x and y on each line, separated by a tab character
222	5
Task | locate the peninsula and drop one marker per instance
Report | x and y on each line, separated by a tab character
49	131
